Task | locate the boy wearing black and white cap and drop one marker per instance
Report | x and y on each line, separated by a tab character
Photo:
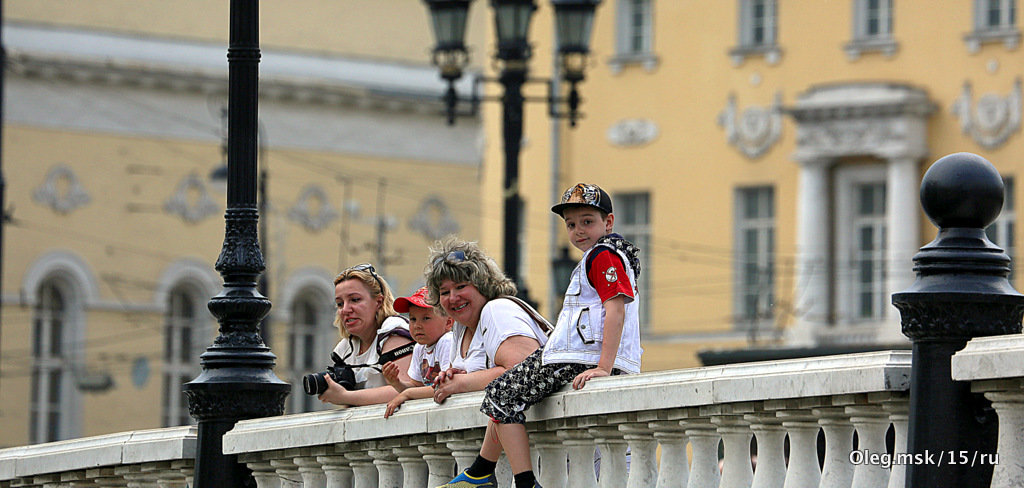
597	334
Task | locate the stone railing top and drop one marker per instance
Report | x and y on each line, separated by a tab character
989	358
774	380
141	446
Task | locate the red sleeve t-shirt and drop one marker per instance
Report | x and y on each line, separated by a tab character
607	274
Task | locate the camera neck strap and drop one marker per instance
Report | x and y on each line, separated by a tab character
391	355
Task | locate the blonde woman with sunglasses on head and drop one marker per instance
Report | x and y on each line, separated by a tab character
369	327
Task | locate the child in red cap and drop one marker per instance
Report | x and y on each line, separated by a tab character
431	329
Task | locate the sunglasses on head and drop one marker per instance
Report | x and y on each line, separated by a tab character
453	257
368	268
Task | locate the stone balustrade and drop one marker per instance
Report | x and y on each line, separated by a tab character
423	444
158	458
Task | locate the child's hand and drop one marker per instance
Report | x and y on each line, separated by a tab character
581	379
390	371
393	405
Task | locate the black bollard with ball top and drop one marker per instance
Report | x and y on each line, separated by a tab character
961	292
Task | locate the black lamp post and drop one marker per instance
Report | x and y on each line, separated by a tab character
573	20
238	381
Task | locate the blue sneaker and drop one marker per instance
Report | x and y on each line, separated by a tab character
464	480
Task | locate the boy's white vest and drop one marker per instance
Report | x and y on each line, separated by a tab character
578	335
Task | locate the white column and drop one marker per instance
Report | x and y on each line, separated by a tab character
465	446
899	415
736	469
440	463
581	447
771	450
811	293
310	471
643	464
288	472
803	448
337	471
673	471
704	439
551	467
414	467
614	473
364	473
871	423
264	474
903	224
1009	407
838	471
389	472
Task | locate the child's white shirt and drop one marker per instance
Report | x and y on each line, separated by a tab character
430	361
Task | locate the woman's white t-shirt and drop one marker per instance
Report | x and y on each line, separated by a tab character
430	361
475	358
499	319
348	350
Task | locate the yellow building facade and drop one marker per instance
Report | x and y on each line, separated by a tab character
113	128
764	154
768	156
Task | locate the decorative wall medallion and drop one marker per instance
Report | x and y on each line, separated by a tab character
755	130
632	132
312	209
61	191
434	219
191	200
995	117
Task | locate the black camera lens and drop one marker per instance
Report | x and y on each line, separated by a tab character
314	384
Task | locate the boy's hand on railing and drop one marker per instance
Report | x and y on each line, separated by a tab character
582	378
390	372
393	405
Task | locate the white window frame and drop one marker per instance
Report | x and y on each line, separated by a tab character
848	179
763	259
55	356
1004	30
1002	231
177	371
865	41
627	30
323	334
638	233
748	46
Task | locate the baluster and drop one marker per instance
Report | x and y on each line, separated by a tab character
264	474
465	446
898	408
414	468
674	469
288	472
440	463
871	423
803	428
389	471
838	471
104	477
580	446
613	472
311	471
643	464
771	449
736	470
132	474
364	472
704	439
337	470
1009	407
552	457
187	468
503	471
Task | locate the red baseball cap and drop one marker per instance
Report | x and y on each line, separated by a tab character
418	299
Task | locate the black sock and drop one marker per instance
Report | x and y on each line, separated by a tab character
525	479
481	467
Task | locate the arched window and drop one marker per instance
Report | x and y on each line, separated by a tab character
309	347
53	392
185	337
